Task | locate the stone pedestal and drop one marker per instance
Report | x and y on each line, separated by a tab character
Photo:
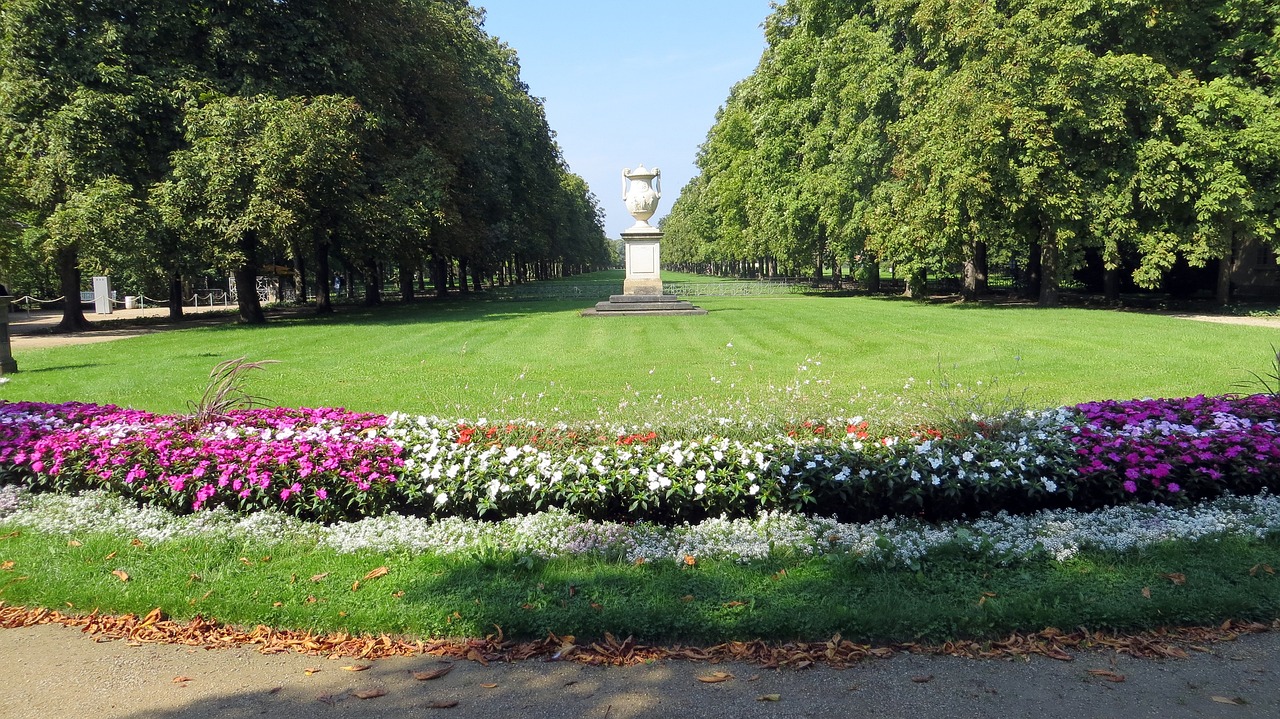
643	262
8	365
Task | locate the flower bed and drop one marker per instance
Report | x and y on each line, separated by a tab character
330	464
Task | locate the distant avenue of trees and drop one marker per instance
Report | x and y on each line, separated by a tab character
163	141
1136	137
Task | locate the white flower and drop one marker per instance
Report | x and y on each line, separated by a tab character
753	489
699	488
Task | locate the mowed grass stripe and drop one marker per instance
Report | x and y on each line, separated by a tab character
464	357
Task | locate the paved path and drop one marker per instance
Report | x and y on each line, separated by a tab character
31	330
48	672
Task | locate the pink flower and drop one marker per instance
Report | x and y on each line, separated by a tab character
322	494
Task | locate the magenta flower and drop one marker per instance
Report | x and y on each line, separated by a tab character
1130	486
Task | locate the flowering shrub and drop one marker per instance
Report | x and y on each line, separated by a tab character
1196	447
1003	538
329	463
319	463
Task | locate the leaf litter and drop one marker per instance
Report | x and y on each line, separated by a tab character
1164	643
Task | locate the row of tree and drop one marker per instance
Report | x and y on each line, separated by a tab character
938	135
161	140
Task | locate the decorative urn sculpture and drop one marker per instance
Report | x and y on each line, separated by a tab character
641	197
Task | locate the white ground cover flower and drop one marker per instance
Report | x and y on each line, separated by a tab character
1008	539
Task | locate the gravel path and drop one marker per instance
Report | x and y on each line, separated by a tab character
52	671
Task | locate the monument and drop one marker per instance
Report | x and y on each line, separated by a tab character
642	287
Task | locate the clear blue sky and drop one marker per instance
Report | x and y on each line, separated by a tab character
630	82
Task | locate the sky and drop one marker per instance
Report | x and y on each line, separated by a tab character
629	83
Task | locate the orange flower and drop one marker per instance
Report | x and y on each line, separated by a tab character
690	560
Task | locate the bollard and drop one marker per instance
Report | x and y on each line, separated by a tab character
8	365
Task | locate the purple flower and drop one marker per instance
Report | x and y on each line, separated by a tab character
1131	486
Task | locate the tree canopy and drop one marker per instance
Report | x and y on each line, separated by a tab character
938	135
173	141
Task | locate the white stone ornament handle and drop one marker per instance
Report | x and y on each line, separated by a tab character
626	173
657	182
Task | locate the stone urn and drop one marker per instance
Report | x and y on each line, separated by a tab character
643	194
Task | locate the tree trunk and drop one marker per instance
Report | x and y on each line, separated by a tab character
475	279
175	296
73	319
916	284
406	282
975	271
324	277
1111	284
1032	276
247	282
438	272
462	275
300	275
1050	266
372	283
1223	294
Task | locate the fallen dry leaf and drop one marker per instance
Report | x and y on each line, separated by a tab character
1108	675
311	670
355	586
1146	592
319	577
121	575
687	598
489	686
11	535
8	565
246	561
715	678
398	594
769	698
443	704
356	667
476	656
136	543
379	572
434	673
326	699
369	693
1178	578
922	679
1237	701
75	543
179	680
1253	571
735	603
109	557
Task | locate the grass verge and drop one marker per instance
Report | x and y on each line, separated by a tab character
298	586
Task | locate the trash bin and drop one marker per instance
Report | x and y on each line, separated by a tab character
130	302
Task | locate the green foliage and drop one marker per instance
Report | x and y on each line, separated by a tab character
931	134
163	141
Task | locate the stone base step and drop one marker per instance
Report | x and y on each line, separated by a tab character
597	312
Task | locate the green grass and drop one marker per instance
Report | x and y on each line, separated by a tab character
540	359
711	602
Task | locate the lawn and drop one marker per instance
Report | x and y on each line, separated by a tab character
788	355
539	359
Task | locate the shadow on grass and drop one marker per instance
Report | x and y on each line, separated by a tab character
58	368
